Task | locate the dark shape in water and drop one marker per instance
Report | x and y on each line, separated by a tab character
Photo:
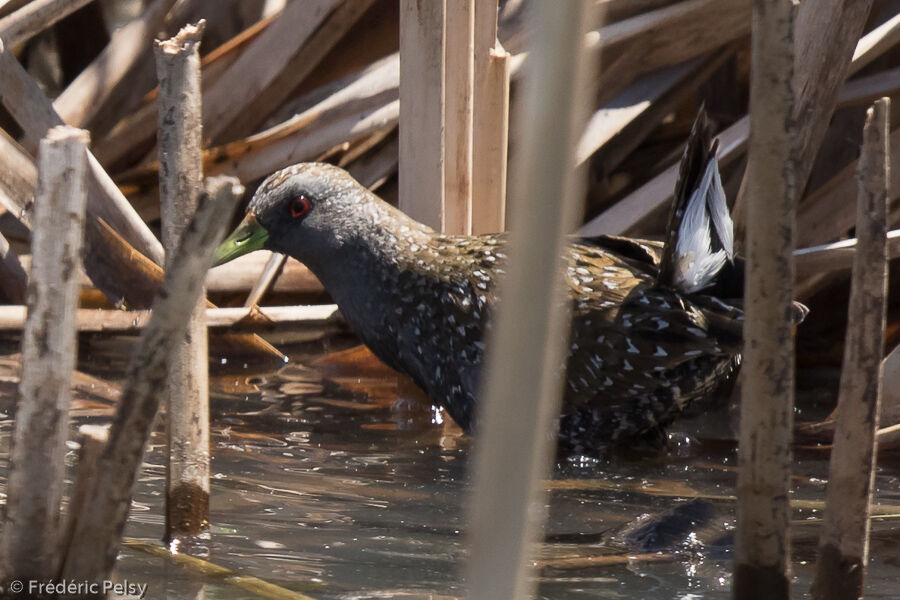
692	525
655	326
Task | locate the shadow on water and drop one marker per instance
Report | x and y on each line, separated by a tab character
335	478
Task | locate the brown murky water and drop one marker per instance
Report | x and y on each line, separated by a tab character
326	484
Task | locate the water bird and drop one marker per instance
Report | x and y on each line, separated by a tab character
656	327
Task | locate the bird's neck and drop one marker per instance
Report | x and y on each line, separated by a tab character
370	273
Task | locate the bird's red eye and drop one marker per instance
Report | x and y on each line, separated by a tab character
300	206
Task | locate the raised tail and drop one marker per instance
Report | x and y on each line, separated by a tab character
700	235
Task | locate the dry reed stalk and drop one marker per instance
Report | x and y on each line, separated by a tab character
875	43
34	113
78	103
629	215
827	35
93	440
133	136
31	529
422	160
667	36
127	277
458	84
319	43
836	256
890	394
843	543
35	17
244	318
267	277
826	214
762	545
522	385
616	130
377	114
187	385
18	180
13	278
490	128
374	168
261	63
366	106
9	6
865	90
241	274
97	529
617	10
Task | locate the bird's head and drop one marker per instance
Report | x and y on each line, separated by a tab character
304	210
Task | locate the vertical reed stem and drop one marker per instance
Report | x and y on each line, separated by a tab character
490	123
762	555
522	385
421	177
49	348
180	176
843	545
458	82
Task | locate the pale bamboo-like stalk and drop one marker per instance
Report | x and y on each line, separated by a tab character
762	555
522	386
97	530
422	161
843	543
187	391
244	318
31	528
490	133
458	88
35	17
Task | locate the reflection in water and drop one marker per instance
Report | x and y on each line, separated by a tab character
335	479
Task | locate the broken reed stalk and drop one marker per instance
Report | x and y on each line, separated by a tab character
458	86
490	123
97	529
93	440
762	556
843	545
421	178
30	538
35	17
522	385
187	389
